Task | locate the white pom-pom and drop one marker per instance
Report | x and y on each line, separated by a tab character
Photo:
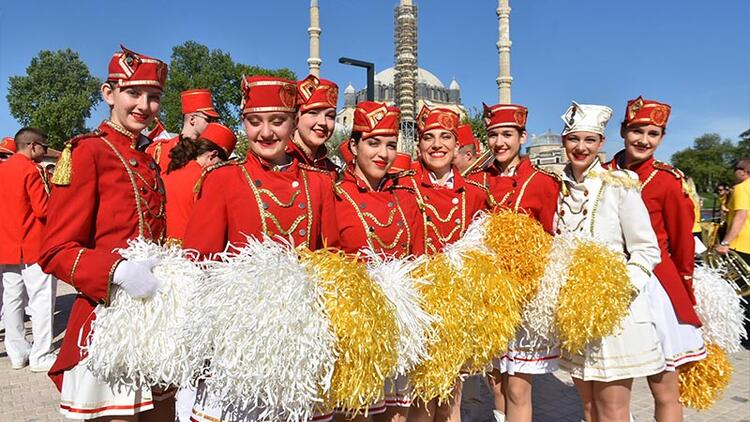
402	290
263	326
139	341
473	239
719	308
539	313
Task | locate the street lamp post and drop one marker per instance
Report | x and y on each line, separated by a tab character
370	74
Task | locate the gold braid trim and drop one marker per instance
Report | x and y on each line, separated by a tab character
618	178
641	267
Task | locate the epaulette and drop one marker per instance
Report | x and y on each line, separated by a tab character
549	173
617	177
199	183
64	166
674	171
308	167
677	173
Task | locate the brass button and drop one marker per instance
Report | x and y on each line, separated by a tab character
258	183
429	218
390	204
585	211
152	165
457	221
302	232
363	205
454	201
558	231
295	184
562	212
372	229
265	205
302	205
133	162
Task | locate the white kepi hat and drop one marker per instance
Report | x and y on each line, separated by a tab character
586	118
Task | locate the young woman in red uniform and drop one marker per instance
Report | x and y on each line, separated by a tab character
107	192
374	211
270	192
516	184
188	161
671	212
448	205
316	120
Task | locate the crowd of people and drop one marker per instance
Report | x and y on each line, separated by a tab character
115	184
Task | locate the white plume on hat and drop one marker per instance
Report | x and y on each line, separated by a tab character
586	118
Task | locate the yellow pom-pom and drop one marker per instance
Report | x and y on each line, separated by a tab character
496	305
448	298
703	382
595	297
521	246
365	328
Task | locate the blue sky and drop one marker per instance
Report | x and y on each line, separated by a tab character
691	54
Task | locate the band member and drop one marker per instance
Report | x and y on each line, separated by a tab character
107	192
447	204
664	191
268	193
607	205
24	194
189	161
375	211
197	112
516	184
468	148
316	121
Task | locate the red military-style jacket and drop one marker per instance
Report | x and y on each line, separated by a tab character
115	194
23	195
321	161
179	186
160	149
386	220
529	189
251	197
446	212
672	217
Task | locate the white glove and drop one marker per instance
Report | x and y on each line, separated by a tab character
136	278
638	277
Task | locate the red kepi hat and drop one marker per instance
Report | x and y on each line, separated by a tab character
8	145
437	118
372	118
128	68
313	93
466	137
198	100
267	93
641	111
221	136
505	115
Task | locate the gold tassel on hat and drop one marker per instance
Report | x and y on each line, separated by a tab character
64	167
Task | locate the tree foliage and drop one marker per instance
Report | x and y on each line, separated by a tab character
56	95
192	66
709	161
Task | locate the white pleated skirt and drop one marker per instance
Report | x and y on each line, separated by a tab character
681	343
530	355
633	351
84	396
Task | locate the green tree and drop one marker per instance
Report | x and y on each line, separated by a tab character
192	66
709	161
56	95
743	146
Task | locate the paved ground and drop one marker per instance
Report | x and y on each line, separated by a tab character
26	396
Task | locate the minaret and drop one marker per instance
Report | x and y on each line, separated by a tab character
504	80
313	62
405	79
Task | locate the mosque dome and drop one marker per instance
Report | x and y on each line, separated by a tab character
387	77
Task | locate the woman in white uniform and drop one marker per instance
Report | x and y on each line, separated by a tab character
607	205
